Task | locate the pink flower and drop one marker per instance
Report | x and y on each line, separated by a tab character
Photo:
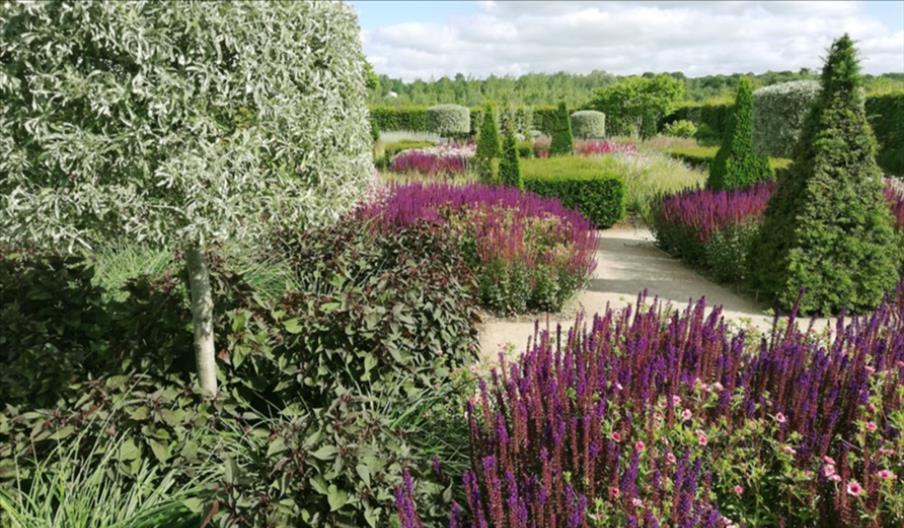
828	470
869	369
885	474
686	414
718	386
614	492
788	449
676	400
828	460
738	490
670	457
835	478
871	426
701	438
616	436
854	488
780	418
637	503
900	363
639	445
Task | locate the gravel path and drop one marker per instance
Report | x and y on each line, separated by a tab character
628	262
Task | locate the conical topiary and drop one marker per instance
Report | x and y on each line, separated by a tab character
488	144
736	164
827	229
509	165
562	139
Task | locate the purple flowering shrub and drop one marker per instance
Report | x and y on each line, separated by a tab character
527	252
646	417
714	229
586	147
441	160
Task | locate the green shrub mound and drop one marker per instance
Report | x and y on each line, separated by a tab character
681	128
580	184
886	115
449	120
562	139
324	389
779	112
587	124
736	164
827	228
712	119
510	164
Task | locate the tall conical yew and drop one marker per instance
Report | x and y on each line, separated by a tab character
562	139
509	165
736	164
488	145
827	229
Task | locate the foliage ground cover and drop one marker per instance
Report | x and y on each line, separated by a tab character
527	253
648	417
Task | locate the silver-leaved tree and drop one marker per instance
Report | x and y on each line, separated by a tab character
180	124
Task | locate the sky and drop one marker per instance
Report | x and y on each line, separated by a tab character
430	39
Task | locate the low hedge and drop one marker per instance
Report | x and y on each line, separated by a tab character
580	184
388	118
701	157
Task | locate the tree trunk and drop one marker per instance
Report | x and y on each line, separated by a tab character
202	319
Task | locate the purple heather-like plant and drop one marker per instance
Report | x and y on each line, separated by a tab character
433	161
647	416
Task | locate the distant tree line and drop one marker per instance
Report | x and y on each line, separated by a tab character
575	89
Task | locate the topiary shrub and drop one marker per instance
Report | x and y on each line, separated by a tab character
449	120
779	112
488	144
827	228
391	118
509	165
736	164
580	184
562	140
588	124
681	128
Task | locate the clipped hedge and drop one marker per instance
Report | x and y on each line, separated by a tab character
449	120
701	157
712	119
779	112
588	124
886	115
546	119
580	185
389	118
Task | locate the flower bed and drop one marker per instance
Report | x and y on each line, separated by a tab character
713	229
440	160
528	253
586	147
646	417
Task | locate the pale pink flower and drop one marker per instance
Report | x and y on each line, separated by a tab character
854	488
835	478
614	492
686	414
637	503
701	438
616	436
780	418
871	426
670	457
828	460
788	449
828	470
718	386
738	490
639	445
885	474
676	400
869	369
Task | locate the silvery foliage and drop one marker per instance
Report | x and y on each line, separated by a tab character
449	120
172	122
779	112
588	124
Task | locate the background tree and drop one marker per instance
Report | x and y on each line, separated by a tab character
510	165
183	125
827	228
562	139
635	105
736	164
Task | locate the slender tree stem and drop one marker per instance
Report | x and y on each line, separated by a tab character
202	318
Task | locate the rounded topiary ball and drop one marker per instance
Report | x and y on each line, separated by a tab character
449	120
779	112
588	124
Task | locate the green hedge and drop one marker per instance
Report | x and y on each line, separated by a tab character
390	118
701	157
886	115
546	118
580	184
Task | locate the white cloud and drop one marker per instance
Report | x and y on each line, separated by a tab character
698	38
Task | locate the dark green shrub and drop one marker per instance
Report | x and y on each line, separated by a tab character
827	228
546	119
712	119
525	149
562	140
488	144
726	253
509	165
391	118
736	164
886	115
580	185
374	130
680	128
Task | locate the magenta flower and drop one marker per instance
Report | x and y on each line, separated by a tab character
854	488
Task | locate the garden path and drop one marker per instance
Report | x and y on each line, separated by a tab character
627	262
